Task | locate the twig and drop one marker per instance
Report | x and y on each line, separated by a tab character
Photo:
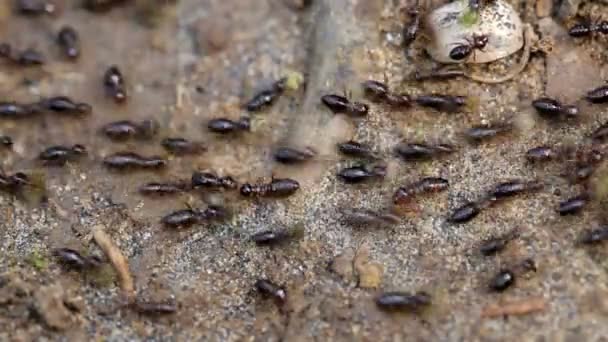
519	307
118	261
523	61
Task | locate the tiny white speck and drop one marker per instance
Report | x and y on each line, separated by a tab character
34	90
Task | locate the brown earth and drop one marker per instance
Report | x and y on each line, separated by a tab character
188	62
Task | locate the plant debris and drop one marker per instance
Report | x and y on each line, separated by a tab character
117	259
515	307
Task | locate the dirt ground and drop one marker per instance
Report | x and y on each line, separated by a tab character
190	61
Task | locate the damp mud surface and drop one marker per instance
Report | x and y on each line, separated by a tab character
190	61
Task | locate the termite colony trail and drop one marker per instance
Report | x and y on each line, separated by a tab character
360	164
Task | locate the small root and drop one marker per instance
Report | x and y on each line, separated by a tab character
517	69
118	261
519	307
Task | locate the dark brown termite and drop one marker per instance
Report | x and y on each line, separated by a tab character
183	218
573	205
482	133
403	301
65	105
587	28
114	84
356	149
341	105
502	281
59	155
211	181
410	30
155	308
130	160
541	154
278	187
464	50
497	244
29	57
398	100
420	151
365	217
586	161
289	155
277	236
553	109
445	103
102	5
270	237
379	92
126	129
594	236
30	187
181	146
13	110
362	173
598	95
585	155
506	277
466	212
6	141
425	185
12	184
68	40
375	90
513	188
187	217
270	289
601	133
34	7
583	172
72	259
266	97
225	126
163	189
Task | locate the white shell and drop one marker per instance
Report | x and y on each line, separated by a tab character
498	20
